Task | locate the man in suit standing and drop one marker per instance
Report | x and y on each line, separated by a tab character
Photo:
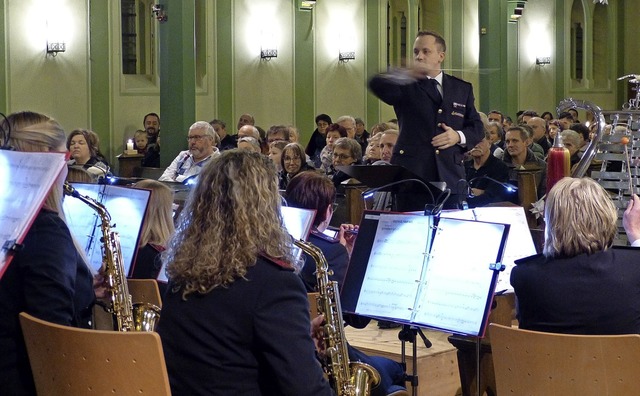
436	115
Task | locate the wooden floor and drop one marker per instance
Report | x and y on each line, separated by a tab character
437	366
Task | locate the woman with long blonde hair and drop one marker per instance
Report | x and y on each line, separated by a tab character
235	318
156	230
48	277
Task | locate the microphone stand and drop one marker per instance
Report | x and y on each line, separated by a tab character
408	334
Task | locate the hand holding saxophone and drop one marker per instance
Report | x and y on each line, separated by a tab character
317	334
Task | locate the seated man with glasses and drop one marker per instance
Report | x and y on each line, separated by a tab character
346	151
202	140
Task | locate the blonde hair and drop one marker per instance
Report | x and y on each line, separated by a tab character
34	132
231	216
158	224
580	218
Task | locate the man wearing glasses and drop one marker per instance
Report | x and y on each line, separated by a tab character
202	140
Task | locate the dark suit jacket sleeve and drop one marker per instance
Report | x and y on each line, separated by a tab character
387	88
282	328
48	264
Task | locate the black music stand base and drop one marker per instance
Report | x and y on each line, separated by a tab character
408	334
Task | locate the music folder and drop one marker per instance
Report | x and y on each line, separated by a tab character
425	271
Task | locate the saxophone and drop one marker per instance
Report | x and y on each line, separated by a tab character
347	378
126	315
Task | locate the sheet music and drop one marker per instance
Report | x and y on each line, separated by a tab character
395	266
127	207
25	181
455	299
519	244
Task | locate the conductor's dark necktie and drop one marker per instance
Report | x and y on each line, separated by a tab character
435	93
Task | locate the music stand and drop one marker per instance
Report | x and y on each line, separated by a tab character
399	181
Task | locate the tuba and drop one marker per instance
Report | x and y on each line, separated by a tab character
347	378
126	315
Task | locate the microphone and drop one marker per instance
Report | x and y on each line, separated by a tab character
510	188
430	209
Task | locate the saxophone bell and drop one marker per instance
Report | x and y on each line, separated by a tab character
346	378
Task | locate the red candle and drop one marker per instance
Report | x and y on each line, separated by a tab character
558	163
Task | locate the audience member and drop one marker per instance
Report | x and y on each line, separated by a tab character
581	284
361	135
249	143
151	123
496	137
156	231
248	130
572	141
540	131
547	116
554	128
202	139
333	133
372	153
279	132
574	114
526	116
292	162
346	151
246	119
348	123
48	277
496	116
537	150
566	120
227	141
85	152
518	156
485	175
140	141
275	154
388	141
235	318
318	138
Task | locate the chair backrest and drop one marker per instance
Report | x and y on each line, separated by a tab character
69	361
146	172
536	363
144	290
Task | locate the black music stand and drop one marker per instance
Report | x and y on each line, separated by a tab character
410	191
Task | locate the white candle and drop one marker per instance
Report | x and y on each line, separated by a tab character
129	145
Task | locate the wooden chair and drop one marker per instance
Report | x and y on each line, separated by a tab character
144	290
536	363
71	361
141	290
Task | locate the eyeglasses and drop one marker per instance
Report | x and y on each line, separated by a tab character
291	159
341	156
195	137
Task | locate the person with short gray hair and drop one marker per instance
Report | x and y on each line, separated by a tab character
202	139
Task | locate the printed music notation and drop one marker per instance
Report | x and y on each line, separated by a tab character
126	206
449	288
520	243
25	181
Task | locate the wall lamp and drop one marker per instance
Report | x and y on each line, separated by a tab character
518	10
54	47
307	5
268	53
543	60
346	56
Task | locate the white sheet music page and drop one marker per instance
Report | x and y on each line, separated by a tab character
127	208
25	181
458	278
395	266
519	243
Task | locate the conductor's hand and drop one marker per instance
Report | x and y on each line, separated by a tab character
631	219
348	234
446	139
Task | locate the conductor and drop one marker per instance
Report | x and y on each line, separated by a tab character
436	114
